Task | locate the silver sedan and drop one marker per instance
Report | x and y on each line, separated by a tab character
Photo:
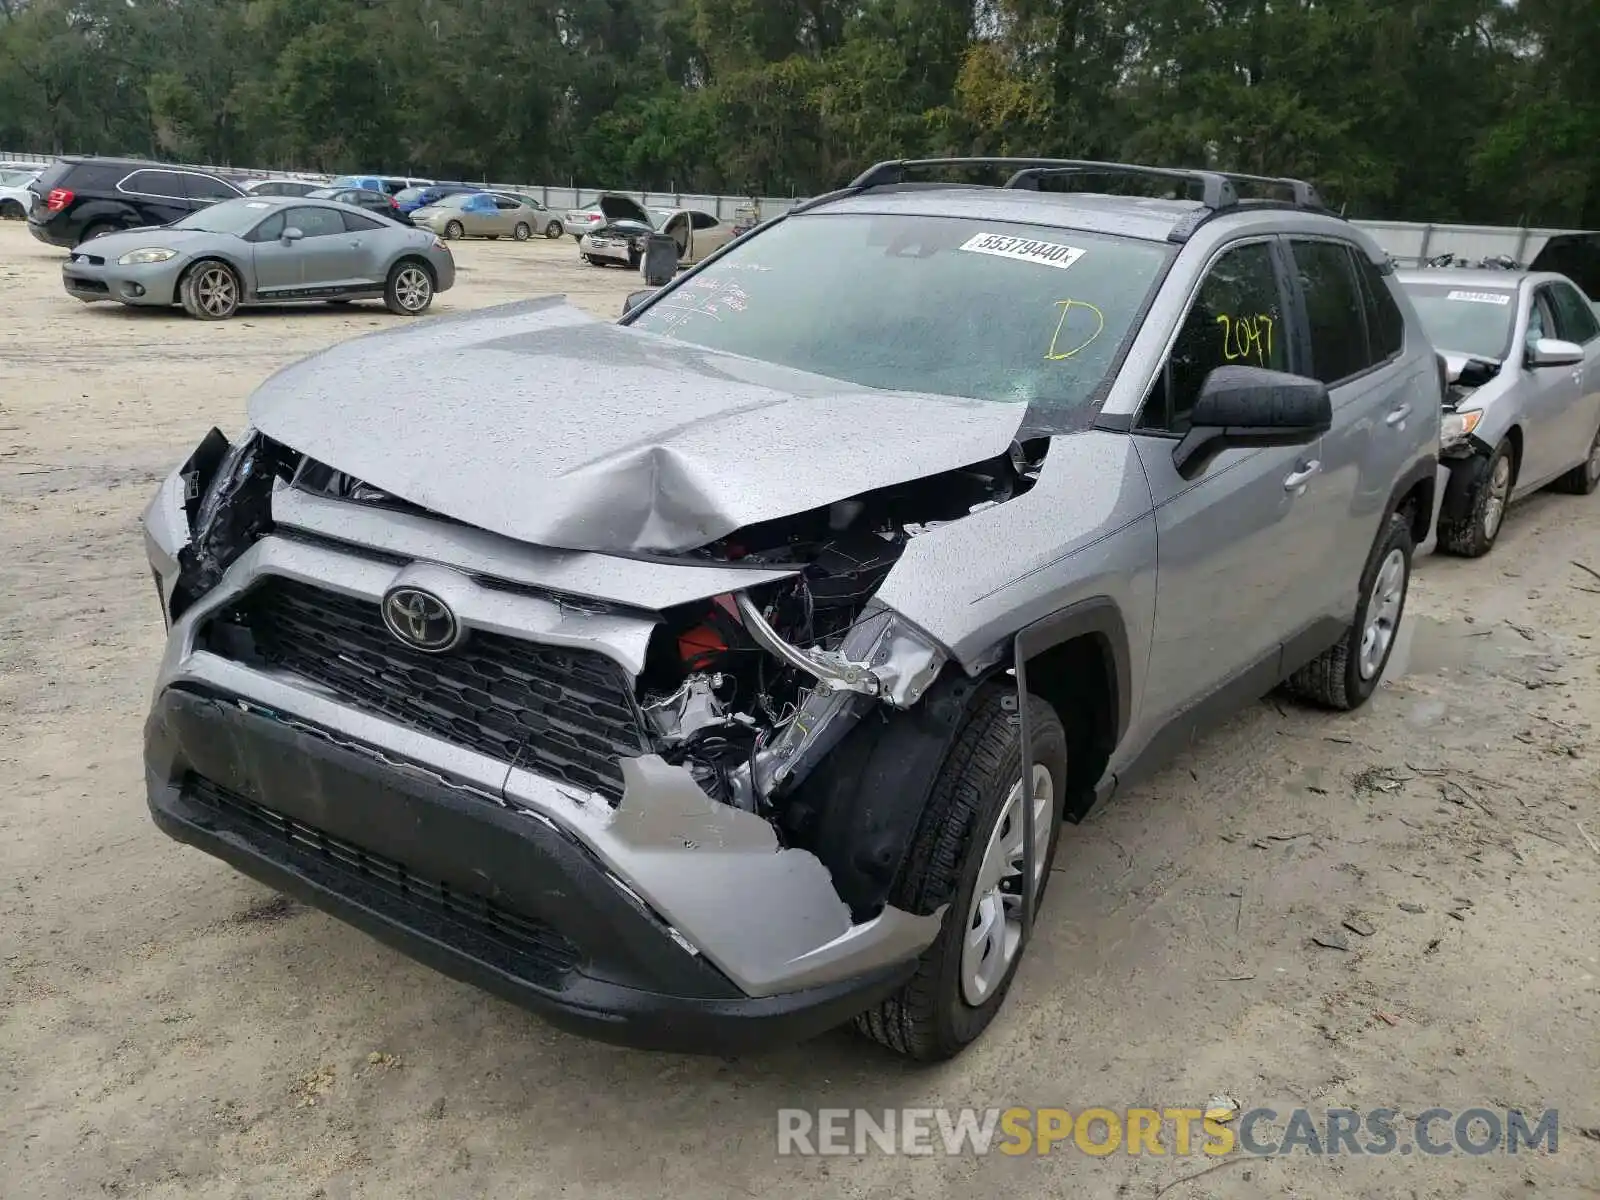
263	250
1521	351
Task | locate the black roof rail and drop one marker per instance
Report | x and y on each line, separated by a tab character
1218	192
1305	195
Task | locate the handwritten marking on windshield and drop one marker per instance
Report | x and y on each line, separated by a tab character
1055	354
1247	337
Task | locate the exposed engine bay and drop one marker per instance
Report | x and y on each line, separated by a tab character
741	689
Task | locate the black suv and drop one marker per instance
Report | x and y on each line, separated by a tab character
81	198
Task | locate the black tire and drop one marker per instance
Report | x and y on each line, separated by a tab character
553	230
594	261
633	260
454	230
930	1018
1340	678
408	292
100	229
210	290
1585	477
11	210
522	232
1469	520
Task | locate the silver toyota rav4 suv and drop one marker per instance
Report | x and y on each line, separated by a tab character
726	673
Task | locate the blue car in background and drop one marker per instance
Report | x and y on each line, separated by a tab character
413	198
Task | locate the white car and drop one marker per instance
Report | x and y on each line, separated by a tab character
620	238
15	198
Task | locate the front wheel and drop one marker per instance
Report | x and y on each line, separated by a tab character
1475	502
593	260
454	229
967	854
1585	477
1345	675
409	289
553	230
210	292
11	210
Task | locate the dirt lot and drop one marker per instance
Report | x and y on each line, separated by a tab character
169	1028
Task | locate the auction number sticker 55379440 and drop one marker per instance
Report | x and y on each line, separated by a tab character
1046	254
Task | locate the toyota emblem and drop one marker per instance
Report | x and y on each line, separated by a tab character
421	620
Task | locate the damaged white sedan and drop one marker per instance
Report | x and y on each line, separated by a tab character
676	677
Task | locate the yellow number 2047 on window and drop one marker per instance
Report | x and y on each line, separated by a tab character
1046	254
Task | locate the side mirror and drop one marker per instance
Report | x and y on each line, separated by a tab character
1251	406
1553	352
634	299
293	234
660	260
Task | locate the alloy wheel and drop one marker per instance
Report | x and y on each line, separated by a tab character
413	289
1494	508
216	291
1383	613
994	920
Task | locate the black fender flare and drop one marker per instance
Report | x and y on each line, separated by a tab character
1426	473
858	808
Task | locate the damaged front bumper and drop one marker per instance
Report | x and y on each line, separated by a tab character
664	919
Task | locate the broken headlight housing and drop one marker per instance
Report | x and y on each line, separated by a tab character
1457	426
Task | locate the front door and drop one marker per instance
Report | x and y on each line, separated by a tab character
1552	395
1236	545
325	258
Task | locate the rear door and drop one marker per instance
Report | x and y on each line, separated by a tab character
1237	543
1551	395
507	212
1353	336
160	196
479	215
1576	322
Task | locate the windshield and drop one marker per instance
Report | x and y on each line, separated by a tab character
237	217
952	306
1467	320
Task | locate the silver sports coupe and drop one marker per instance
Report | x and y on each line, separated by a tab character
263	250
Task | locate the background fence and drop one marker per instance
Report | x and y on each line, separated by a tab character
1408	241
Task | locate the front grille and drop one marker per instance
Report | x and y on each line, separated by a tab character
380	882
92	259
565	714
98	286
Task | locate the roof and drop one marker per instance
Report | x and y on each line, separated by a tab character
1473	277
1146	218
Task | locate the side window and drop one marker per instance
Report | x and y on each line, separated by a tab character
1236	320
703	220
271	229
155	183
316	222
1540	323
356	223
504	204
1335	310
207	187
1575	320
1386	327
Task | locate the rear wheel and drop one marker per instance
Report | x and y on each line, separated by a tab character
967	854
522	232
409	288
1585	477
553	230
98	230
210	291
1475	502
454	229
1345	675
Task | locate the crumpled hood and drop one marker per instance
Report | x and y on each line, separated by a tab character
1455	363
538	422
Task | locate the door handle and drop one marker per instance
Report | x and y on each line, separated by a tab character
1398	415
1296	480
